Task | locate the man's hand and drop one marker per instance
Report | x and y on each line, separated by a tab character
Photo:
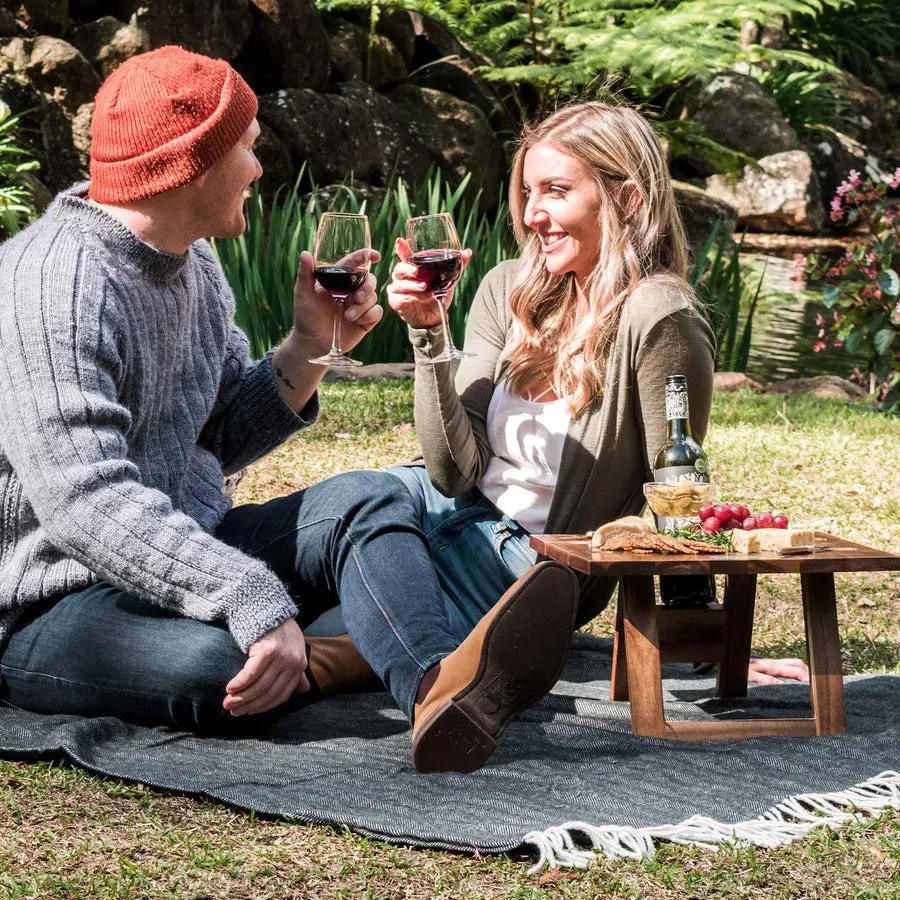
275	669
409	297
314	306
771	671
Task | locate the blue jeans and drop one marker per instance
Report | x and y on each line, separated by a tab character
478	552
102	652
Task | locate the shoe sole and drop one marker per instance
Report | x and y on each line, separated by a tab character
523	654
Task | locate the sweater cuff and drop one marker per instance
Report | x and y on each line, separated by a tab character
270	412
426	342
255	605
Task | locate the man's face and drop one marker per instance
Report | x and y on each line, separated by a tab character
225	187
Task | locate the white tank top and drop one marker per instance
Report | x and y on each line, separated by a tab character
527	439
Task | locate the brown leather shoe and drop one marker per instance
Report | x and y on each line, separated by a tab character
336	666
510	660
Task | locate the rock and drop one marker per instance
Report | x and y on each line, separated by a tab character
275	159
62	165
47	16
734	381
61	72
458	136
782	196
216	28
872	117
352	59
81	133
826	386
107	43
737	112
287	48
833	155
458	77
433	41
700	211
8	25
394	24
357	133
41	196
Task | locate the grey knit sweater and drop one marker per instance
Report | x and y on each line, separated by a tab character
125	393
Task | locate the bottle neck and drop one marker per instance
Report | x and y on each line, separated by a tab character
679	429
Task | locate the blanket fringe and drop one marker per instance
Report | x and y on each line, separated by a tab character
787	821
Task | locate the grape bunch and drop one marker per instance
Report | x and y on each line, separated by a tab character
728	516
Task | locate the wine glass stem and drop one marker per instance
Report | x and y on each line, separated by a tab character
336	330
448	340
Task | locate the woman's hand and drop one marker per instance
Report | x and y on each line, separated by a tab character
409	297
772	671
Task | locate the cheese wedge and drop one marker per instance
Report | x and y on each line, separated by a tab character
746	541
772	539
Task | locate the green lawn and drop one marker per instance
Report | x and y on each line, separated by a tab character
66	834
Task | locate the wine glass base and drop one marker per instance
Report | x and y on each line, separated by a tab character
336	361
448	356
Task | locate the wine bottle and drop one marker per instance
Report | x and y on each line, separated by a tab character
681	458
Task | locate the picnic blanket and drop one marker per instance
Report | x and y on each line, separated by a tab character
568	775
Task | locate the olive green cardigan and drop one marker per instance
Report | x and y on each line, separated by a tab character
608	452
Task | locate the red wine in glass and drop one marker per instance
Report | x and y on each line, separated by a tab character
438	260
340	281
438	269
342	264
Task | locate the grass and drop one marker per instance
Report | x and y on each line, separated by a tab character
67	834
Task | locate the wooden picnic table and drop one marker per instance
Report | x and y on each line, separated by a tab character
648	634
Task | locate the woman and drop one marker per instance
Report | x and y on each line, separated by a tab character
551	425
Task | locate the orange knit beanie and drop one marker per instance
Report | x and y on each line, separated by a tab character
163	118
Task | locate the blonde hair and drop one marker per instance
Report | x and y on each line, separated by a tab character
641	237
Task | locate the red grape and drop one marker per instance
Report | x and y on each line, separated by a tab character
730	524
745	512
722	512
711	525
735	510
705	512
749	523
779	522
764	520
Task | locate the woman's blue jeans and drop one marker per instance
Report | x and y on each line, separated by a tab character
358	536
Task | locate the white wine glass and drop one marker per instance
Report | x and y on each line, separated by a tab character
342	264
438	259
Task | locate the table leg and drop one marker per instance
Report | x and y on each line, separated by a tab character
824	645
739	602
642	656
618	688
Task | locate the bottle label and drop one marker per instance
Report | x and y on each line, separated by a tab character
698	472
676	401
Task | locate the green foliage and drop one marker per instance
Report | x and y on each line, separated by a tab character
853	34
863	286
261	265
16	204
805	98
717	278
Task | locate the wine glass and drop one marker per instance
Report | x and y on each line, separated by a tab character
342	264
439	263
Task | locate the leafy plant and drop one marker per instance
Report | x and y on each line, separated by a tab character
852	34
863	289
261	265
16	204
717	278
804	97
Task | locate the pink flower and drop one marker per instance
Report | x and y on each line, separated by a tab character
895	316
800	262
836	203
896	182
838	343
837	316
820	319
818	346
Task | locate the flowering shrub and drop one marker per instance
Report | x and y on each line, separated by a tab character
863	285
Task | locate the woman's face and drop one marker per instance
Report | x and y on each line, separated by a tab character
562	205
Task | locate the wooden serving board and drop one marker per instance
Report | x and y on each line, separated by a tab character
832	554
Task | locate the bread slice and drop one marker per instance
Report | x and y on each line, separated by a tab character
620	528
772	539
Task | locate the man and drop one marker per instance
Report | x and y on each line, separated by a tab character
128	587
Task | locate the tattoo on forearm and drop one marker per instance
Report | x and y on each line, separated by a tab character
284	378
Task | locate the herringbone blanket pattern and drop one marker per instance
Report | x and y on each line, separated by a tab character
347	761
